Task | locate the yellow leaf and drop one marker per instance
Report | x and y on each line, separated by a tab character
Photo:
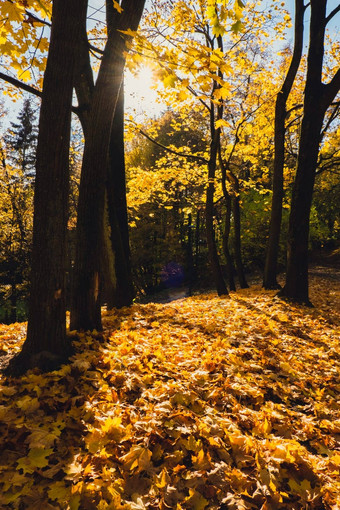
38	456
163	479
196	500
28	404
25	76
117	6
59	491
220	123
138	458
169	80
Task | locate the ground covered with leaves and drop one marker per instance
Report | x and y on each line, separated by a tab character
201	403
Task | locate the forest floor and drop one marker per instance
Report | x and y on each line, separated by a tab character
199	403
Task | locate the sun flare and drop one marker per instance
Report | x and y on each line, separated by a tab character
139	92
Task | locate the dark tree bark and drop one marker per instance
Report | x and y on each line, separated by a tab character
226	233
116	193
237	235
216	113
209	213
46	344
191	275
86	308
270	270
318	98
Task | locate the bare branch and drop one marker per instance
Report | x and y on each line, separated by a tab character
332	14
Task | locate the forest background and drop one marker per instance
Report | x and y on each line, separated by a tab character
166	191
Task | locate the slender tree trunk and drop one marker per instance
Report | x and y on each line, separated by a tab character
318	97
13	301
215	134
237	240
237	229
197	240
226	234
116	193
270	270
190	256
210	231
86	309
46	343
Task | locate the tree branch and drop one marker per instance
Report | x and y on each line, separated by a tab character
28	88
181	154
332	14
19	84
331	89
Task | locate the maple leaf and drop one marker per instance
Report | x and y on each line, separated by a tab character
196	501
38	456
138	459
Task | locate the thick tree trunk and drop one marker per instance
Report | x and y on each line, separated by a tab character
270	270
296	287
86	309
318	97
46	343
116	193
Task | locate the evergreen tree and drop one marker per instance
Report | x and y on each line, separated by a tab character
21	140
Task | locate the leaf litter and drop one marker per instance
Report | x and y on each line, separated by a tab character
201	403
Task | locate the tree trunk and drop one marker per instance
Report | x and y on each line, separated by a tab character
210	231
318	97
116	193
190	256
13	301
46	344
226	233
86	309
270	270
237	234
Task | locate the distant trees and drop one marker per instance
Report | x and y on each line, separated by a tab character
209	67
18	155
166	201
21	141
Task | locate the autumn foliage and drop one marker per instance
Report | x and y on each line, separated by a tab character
200	403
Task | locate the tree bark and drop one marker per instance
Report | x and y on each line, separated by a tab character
86	308
270	270
116	193
318	97
237	237
46	344
226	233
210	231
